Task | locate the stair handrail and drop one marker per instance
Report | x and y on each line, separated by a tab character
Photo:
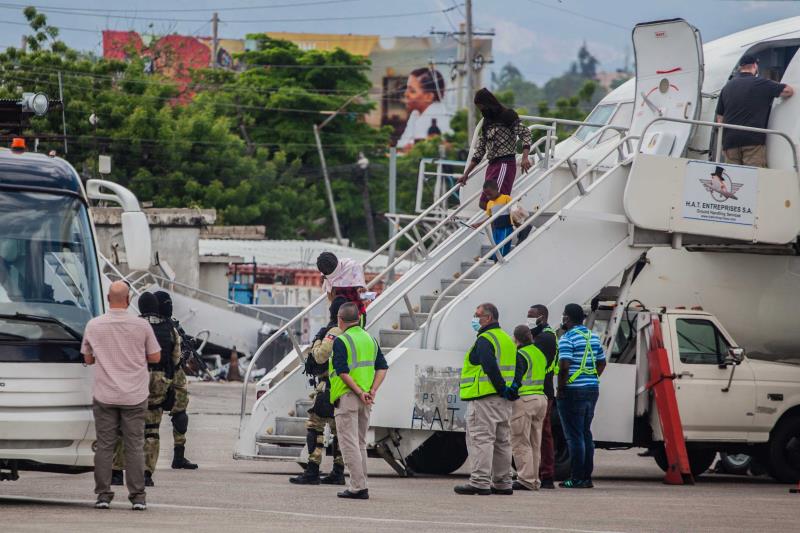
547	172
279	332
426	326
721	126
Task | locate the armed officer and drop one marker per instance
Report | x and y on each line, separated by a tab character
356	369
490	380
180	420
161	377
321	413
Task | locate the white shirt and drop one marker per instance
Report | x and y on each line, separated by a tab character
418	124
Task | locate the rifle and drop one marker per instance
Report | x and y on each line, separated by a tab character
189	351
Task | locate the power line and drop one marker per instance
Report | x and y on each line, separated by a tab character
191	10
60	11
578	14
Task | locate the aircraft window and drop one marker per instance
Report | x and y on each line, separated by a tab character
700	343
599	115
773	61
621	118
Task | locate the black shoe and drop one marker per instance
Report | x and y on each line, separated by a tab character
519	486
469	489
336	477
148	479
547	484
116	477
587	484
309	477
357	495
181	462
502	492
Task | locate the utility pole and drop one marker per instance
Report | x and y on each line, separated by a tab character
214	39
328	190
470	73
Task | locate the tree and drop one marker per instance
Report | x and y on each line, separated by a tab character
525	94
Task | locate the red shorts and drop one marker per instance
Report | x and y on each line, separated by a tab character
503	171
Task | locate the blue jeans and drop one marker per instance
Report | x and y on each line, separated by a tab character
576	409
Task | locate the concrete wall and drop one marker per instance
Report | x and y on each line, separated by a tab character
174	234
214	274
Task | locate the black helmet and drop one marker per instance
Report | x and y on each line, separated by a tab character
164	304
148	304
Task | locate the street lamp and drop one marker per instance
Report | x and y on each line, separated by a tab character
328	190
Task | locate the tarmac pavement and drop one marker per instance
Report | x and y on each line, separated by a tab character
228	495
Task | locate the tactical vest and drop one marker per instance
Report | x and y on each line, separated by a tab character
474	381
583	369
362	350
533	380
166	340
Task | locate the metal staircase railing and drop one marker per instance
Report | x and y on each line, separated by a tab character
549	141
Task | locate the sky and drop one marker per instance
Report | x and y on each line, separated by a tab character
540	37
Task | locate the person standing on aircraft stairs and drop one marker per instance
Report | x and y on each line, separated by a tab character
345	277
501	226
497	141
581	362
490	381
321	413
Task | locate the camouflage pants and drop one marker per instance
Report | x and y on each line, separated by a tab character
159	384
315	439
180	419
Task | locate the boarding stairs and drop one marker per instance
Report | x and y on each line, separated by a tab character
582	240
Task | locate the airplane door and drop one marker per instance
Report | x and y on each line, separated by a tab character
784	118
669	78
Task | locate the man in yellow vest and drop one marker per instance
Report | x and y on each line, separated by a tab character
356	370
490	378
528	413
546	339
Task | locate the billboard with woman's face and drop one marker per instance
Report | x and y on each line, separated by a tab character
424	99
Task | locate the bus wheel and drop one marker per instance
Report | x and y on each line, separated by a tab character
443	453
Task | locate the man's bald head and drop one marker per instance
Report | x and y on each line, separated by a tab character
118	295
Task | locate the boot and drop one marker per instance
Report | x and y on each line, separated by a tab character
148	479
309	477
181	462
336	477
116	477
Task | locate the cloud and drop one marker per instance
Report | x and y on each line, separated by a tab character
512	38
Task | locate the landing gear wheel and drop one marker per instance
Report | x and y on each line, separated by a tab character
443	453
784	451
700	459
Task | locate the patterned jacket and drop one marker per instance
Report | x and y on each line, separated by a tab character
498	140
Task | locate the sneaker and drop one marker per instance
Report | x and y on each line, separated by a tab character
587	484
547	484
502	492
571	484
139	506
102	504
469	489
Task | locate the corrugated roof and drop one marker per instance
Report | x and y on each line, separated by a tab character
299	254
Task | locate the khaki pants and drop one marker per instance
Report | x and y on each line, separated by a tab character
751	156
109	422
527	417
352	423
489	442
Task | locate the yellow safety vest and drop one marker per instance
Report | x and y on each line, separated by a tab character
583	369
533	380
474	381
553	368
362	350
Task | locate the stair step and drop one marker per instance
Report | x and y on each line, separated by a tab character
478	271
284	440
485	248
290	425
426	302
459	287
407	323
273	450
392	337
301	407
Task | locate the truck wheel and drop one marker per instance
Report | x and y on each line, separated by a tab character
735	463
784	451
700	459
443	453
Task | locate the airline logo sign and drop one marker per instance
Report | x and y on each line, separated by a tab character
720	193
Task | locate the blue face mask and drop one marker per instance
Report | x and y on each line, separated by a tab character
476	323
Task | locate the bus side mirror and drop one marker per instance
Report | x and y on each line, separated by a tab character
135	229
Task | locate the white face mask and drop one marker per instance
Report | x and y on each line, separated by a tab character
533	323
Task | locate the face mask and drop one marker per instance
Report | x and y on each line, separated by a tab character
476	323
533	323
